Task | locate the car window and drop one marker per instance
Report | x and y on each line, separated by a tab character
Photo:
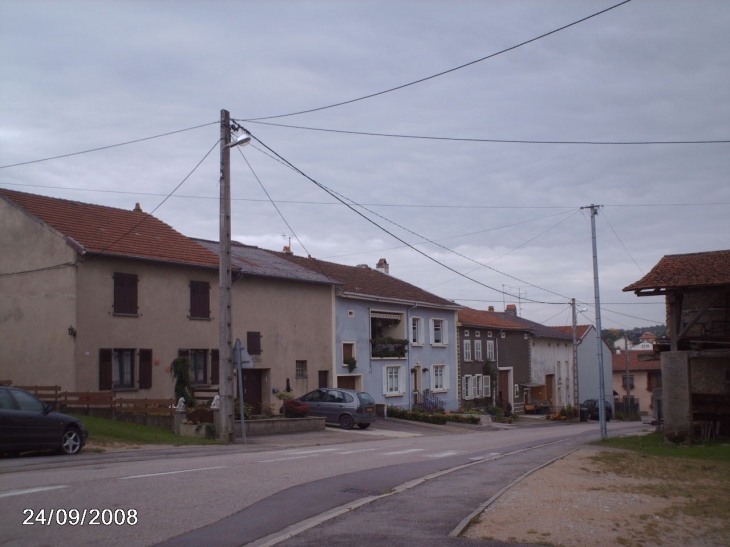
348	398
315	396
27	402
336	397
365	398
6	401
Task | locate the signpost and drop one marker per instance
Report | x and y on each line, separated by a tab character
241	360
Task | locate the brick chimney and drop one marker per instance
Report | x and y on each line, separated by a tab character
287	250
137	208
491	308
511	310
382	266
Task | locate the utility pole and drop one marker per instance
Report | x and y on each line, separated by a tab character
576	402
627	407
599	345
225	389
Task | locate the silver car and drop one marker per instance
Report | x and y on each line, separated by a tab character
344	406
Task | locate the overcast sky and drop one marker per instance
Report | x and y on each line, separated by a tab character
82	75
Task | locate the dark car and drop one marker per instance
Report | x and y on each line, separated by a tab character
344	406
593	407
29	424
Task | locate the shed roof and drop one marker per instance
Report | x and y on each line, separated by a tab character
638	360
706	269
483	318
582	330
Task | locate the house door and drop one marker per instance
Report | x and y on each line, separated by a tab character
549	387
324	376
346	382
504	391
252	390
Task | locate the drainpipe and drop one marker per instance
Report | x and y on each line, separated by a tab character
409	390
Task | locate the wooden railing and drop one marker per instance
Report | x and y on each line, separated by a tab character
165	407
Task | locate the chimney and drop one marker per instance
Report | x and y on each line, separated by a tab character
382	266
491	308
137	208
511	310
287	250
362	265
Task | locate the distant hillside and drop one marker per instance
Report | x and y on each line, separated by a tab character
611	335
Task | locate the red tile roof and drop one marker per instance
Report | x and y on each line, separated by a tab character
359	280
687	270
482	318
636	361
117	232
582	330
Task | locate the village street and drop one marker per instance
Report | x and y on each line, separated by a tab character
236	495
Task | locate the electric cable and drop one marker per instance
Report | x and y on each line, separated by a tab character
148	215
54	267
493	141
622	243
107	147
454	69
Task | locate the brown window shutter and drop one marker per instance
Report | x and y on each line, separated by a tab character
105	370
125	293
200	299
253	343
145	369
214	367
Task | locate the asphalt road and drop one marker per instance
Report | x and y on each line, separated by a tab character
236	495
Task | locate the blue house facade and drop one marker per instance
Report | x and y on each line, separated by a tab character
392	339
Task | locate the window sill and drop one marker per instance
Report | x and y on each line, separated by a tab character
394	394
439	345
388	358
200	318
119	314
439	391
417	345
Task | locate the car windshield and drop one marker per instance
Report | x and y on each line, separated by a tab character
365	398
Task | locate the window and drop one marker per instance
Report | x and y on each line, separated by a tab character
200	299
416	330
466	333
478	385
467	350
199	365
253	343
489	334
517	390
631	381
502	335
439	377
123	368
439	334
477	334
487	387
466	383
477	350
490	350
350	313
300	372
393	381
348	352
125	293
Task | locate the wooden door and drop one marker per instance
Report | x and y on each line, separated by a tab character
504	388
252	390
549	387
324	376
346	382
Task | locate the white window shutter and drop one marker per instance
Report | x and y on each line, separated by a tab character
487	385
445	332
464	394
385	380
446	376
430	378
430	327
401	380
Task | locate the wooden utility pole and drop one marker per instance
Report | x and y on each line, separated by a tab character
627	406
576	402
225	430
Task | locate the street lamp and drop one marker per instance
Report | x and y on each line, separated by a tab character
225	389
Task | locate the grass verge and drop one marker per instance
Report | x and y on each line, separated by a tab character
103	432
653	445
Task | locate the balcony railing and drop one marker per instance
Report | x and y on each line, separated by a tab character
394	348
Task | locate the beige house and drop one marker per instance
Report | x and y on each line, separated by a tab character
645	375
97	298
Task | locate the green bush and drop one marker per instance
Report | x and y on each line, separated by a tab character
471	419
397	412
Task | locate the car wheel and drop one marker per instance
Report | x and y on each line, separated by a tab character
70	442
346	421
363	426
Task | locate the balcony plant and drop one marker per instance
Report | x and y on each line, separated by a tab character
389	347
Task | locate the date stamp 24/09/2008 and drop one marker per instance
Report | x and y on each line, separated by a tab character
81	517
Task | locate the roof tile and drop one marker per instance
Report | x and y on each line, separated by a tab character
687	270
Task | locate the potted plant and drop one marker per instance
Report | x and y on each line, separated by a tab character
351	363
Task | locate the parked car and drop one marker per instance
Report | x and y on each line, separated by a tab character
344	406
29	424
592	406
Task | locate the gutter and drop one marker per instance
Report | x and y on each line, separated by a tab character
75	245
385	299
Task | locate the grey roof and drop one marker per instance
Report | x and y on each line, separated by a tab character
541	331
259	262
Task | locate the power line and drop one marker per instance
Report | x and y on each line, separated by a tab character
440	73
107	147
54	267
622	243
148	215
474	139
